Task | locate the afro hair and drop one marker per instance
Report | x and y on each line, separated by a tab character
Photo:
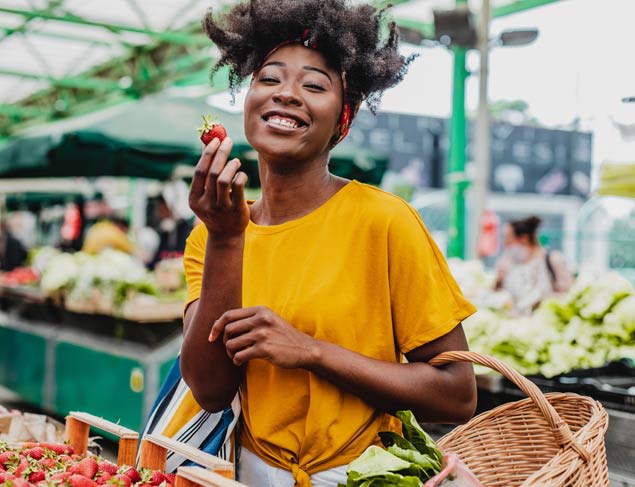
349	36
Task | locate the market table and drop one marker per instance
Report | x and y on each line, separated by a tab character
63	367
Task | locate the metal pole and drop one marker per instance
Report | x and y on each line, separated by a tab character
483	135
456	156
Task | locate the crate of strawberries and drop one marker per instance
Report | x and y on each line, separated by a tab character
70	464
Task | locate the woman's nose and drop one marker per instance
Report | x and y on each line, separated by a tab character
286	96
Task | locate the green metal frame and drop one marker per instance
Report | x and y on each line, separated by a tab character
167	58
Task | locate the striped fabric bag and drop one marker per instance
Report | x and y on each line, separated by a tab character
177	415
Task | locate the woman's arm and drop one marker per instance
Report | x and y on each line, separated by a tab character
205	367
434	394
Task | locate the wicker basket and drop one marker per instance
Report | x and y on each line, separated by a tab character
552	440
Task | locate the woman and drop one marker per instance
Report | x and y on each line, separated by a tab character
526	270
312	295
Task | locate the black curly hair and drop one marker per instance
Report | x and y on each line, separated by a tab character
349	36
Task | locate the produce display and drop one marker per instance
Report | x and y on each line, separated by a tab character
617	180
109	283
592	325
52	464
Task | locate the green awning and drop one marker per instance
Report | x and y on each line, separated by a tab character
148	138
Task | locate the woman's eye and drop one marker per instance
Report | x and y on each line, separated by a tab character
268	79
314	86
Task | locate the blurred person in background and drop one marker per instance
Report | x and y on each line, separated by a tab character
528	271
110	233
12	252
174	221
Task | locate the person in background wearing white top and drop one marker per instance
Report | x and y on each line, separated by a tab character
528	271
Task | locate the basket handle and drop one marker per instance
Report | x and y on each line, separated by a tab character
560	429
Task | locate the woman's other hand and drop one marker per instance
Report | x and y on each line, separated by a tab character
259	333
217	194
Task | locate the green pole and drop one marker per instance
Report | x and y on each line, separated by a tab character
457	181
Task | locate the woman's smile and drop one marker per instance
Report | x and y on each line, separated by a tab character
283	122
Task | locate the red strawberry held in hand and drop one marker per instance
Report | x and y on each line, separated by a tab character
211	130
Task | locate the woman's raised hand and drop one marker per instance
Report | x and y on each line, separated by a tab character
217	194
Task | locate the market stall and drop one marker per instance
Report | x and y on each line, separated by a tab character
581	342
92	332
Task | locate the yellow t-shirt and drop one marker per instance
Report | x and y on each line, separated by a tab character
360	271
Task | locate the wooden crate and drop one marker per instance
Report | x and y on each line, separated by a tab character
154	450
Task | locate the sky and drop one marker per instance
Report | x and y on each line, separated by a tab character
581	65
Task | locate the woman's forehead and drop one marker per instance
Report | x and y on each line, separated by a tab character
296	55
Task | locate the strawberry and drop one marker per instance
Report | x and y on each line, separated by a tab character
6	457
29	444
36	476
156	478
23	465
102	478
88	467
73	469
64	458
54	447
48	463
120	480
108	467
211	130
60	477
4	476
19	482
132	474
36	452
171	478
77	480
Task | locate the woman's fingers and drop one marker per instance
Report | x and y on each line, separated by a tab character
202	168
227	317
241	341
238	189
218	163
224	183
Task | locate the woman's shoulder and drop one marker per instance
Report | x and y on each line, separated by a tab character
382	204
198	235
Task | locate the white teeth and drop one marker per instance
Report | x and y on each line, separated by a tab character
285	122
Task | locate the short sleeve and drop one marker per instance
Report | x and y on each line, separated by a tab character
193	261
425	299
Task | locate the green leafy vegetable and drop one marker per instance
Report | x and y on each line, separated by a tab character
408	461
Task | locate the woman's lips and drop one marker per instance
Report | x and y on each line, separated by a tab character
283	125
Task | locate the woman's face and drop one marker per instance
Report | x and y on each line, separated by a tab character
511	239
293	106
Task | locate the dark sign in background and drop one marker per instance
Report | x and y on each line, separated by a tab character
525	159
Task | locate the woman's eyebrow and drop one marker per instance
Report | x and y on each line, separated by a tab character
308	68
313	68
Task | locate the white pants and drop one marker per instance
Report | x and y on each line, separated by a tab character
256	473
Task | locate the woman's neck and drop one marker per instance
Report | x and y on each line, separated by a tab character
288	195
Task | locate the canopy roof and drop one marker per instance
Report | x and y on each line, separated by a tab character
60	58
